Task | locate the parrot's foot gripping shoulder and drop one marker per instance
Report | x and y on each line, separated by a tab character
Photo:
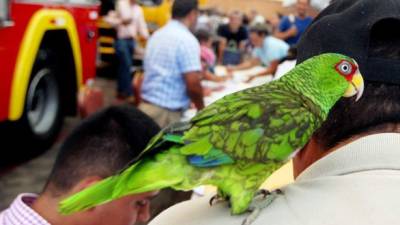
217	199
258	205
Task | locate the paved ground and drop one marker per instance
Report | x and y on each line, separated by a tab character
31	176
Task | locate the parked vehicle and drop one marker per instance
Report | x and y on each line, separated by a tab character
47	53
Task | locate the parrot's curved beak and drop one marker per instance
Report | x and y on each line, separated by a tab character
356	87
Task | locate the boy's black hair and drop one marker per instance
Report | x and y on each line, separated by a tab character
260	29
203	35
182	8
101	145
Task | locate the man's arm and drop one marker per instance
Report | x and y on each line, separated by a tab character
221	49
194	88
242	45
244	37
292	32
286	29
268	71
222	42
245	65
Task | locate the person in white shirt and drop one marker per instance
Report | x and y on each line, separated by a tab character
100	146
130	25
349	171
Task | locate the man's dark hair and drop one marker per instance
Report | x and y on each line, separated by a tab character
182	8
378	110
260	29
203	35
101	145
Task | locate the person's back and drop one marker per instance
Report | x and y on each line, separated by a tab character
162	65
172	67
334	191
349	171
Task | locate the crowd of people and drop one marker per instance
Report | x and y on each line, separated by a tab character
349	170
189	47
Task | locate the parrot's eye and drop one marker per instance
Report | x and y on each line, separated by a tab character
346	68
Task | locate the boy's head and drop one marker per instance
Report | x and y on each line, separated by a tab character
99	147
203	36
258	32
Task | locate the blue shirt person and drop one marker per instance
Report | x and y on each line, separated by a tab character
271	50
268	52
172	67
172	75
171	53
293	26
301	25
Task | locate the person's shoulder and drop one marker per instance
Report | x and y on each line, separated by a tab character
242	29
223	28
201	212
285	19
274	41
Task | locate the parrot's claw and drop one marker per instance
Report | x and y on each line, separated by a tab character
258	205
263	192
216	199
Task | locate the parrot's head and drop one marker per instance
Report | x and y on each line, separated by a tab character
338	74
348	69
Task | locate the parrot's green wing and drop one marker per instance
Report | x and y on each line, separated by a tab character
170	135
259	124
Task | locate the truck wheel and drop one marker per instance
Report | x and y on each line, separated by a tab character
42	108
42	118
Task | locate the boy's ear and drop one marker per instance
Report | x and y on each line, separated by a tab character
85	183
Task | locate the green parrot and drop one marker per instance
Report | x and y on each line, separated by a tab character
237	142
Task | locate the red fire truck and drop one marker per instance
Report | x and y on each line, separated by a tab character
47	54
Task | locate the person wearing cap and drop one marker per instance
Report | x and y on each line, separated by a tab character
268	52
349	172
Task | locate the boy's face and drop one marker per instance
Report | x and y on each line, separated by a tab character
235	21
124	211
256	39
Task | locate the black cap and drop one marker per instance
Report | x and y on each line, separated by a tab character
345	27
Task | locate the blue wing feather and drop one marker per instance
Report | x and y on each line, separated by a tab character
214	158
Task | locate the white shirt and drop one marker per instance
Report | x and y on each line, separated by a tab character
127	11
358	184
21	213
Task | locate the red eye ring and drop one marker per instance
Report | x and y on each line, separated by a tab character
346	69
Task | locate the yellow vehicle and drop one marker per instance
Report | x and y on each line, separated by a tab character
156	15
156	12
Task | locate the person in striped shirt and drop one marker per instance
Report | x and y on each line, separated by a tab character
99	147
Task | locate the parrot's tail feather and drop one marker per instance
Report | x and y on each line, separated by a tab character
149	174
95	195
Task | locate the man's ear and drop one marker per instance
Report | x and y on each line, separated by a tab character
85	183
